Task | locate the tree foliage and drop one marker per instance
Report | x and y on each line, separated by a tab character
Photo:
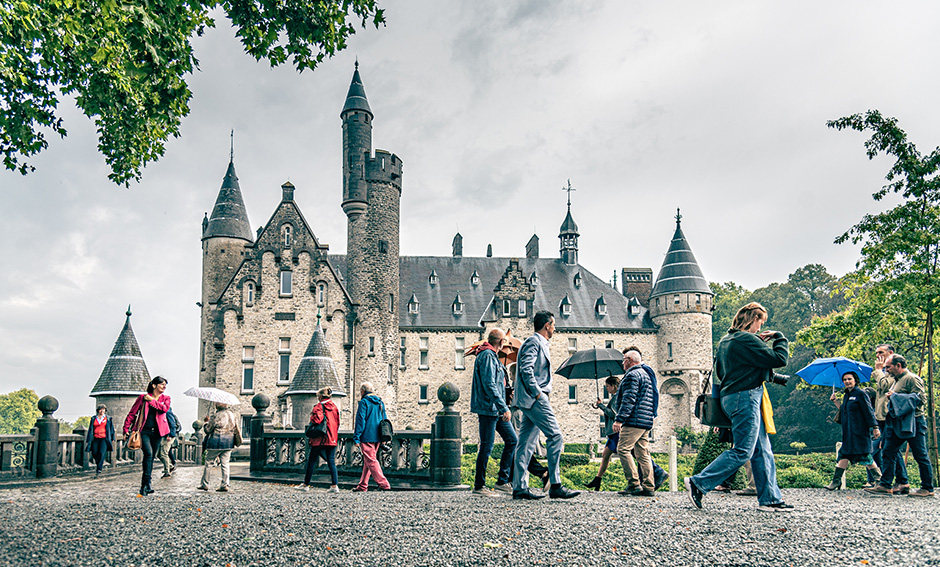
18	411
126	64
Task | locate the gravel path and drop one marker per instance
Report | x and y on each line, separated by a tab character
103	522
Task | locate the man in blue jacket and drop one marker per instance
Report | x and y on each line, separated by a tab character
166	445
369	415
486	400
633	422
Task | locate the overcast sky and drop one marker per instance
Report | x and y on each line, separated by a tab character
717	108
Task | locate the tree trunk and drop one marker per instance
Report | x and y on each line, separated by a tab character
931	415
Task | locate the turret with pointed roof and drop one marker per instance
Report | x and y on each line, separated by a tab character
317	370
229	216
568	235
680	272
125	375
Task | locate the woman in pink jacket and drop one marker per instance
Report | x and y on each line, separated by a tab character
152	425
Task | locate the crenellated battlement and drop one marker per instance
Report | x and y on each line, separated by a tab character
385	167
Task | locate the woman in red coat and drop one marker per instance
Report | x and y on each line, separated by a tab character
324	445
152	425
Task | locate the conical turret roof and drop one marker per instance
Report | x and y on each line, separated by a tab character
125	372
680	273
569	226
356	97
317	369
229	216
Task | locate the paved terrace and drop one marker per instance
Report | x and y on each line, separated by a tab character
102	522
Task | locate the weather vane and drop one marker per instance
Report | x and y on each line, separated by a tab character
569	189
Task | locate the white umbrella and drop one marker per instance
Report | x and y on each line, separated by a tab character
213	395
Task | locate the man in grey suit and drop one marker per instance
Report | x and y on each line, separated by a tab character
532	386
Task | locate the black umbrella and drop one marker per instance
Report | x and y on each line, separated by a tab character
593	363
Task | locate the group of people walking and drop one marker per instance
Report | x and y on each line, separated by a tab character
878	422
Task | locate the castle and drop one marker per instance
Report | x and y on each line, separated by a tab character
282	316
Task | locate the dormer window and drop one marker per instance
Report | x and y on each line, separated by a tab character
534	279
577	280
458	305
286	232
600	306
507	308
565	306
432	279
413	306
522	309
634	310
475	278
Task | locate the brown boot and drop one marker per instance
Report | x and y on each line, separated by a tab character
836	483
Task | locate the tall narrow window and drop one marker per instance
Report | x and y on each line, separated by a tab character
390	376
391	303
321	294
675	299
458	353
286	283
248	369
401	360
249	293
423	394
669	351
371	346
283	350
698	298
608	344
572	344
423	353
507	308
522	307
573	394
286	230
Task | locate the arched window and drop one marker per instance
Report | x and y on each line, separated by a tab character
286	232
321	294
249	293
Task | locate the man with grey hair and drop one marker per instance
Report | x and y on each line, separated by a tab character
633	422
660	476
369	415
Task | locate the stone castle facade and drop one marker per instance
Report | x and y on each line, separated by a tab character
403	322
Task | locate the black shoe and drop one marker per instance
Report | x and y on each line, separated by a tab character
643	492
149	490
526	494
205	488
632	491
595	484
166	475
660	482
778	507
694	493
562	492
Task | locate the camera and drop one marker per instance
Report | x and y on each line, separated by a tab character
779	379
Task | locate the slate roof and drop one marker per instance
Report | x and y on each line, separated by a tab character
317	369
229	216
568	226
356	97
556	280
680	272
125	372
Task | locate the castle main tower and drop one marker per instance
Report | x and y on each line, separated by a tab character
681	306
225	234
371	201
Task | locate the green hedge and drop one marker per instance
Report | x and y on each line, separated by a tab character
574	459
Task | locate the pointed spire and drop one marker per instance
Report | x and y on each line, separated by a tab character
229	216
356	97
317	368
680	273
125	372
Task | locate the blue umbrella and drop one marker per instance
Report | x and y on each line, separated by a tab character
829	371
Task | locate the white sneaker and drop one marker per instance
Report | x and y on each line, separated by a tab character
483	492
503	488
304	487
333	489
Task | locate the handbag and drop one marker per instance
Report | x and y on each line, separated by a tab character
385	430
133	439
238	437
708	407
316	430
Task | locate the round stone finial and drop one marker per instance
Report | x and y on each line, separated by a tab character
197	425
47	405
448	394
260	402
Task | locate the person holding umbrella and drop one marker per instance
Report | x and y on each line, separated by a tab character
610	412
858	429
222	436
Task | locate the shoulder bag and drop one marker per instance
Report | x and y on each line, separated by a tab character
316	430
133	441
708	406
386	431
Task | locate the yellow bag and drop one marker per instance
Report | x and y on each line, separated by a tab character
767	413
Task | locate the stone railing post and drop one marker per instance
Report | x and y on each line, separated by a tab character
47	438
446	441
82	459
258	448
200	436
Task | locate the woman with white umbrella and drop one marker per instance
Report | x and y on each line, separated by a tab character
222	436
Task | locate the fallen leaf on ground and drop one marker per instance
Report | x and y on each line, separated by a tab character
491	545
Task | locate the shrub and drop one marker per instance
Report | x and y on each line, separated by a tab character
710	450
574	459
470	448
585	448
800	477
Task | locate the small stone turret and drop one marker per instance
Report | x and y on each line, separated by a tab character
124	377
317	370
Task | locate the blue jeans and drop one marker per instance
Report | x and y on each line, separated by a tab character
489	426
918	445
750	444
900	471
328	452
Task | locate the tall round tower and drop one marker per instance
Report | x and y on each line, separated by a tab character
225	234
371	201
681	306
